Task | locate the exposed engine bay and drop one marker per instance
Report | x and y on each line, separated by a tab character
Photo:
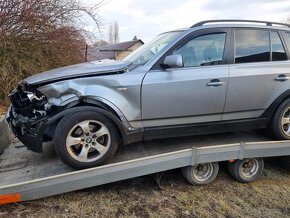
28	111
28	101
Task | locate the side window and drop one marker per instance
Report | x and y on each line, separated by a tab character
278	51
252	46
286	36
203	50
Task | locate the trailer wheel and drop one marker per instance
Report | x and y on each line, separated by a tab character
246	170
201	174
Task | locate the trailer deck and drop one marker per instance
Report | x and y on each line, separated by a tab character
29	176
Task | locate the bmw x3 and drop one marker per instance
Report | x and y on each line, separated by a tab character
216	76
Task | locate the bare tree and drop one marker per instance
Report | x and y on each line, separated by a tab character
31	18
37	35
111	35
114	33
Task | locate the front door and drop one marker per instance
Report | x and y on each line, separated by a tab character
194	93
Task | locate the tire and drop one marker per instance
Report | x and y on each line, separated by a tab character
278	126
201	174
85	139
246	170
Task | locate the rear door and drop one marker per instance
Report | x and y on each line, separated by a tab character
258	75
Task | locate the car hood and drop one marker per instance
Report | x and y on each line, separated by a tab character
78	70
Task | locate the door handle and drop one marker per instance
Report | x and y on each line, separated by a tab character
282	78
215	83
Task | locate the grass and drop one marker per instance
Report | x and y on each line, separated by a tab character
140	197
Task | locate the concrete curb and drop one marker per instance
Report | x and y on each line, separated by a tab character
5	135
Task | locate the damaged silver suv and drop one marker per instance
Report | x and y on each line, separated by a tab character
220	75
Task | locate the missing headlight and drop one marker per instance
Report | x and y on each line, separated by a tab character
28	101
33	97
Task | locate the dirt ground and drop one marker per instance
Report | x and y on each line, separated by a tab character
141	197
3	110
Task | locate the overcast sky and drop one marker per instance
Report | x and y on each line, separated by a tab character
147	18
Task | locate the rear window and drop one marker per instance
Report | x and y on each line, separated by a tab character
278	51
252	46
286	37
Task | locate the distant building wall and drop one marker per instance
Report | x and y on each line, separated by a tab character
123	54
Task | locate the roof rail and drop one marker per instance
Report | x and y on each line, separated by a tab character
268	23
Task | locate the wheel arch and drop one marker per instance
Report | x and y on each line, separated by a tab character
126	132
269	112
98	103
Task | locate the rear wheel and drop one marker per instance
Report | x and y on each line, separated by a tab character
279	126
85	139
201	174
246	170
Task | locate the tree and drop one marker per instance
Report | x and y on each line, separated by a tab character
114	33
37	35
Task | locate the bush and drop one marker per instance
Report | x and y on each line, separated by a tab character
38	35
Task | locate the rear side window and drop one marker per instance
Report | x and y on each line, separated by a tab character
278	51
252	46
286	36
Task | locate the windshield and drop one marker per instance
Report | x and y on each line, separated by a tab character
143	54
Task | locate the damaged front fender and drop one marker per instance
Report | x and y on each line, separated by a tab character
35	106
120	92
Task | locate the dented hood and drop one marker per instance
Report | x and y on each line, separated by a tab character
78	70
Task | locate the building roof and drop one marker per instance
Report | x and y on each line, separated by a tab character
123	46
98	55
109	51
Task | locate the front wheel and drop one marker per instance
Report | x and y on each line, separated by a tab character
85	139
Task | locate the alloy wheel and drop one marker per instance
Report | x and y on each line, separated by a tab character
88	141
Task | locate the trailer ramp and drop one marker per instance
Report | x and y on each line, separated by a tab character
35	176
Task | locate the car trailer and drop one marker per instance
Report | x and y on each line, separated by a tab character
35	176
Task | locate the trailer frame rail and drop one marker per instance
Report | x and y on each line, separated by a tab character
67	182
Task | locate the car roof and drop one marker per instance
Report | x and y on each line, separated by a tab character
235	24
242	26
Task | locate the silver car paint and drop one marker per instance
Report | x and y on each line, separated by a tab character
83	69
181	95
120	91
252	88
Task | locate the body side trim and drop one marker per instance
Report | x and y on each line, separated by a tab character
204	128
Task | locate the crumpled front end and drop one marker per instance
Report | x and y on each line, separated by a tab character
26	116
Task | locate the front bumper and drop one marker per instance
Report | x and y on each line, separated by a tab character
32	141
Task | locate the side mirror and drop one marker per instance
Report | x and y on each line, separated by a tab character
173	61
